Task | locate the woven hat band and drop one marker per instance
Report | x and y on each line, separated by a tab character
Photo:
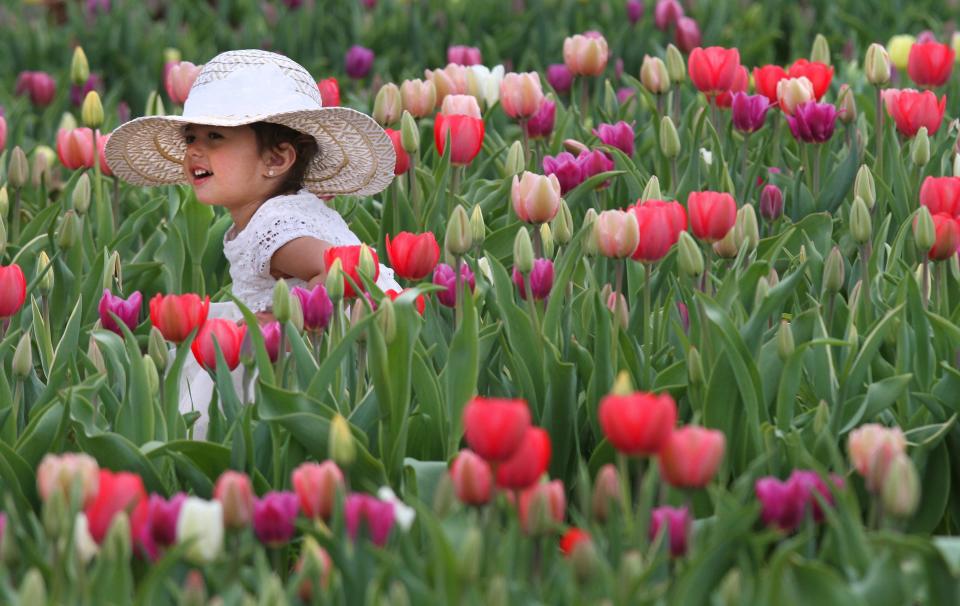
249	91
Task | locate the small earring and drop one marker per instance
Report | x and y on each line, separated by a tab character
270	173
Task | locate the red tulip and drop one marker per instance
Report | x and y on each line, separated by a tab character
117	492
75	148
39	85
495	427
101	154
420	303
177	315
466	137
940	195
660	225
13	290
472	478
403	160
571	539
349	264
713	70
765	81
413	256
691	456
930	63
228	336
316	485
819	74
712	214
911	109
528	462
639	423
329	92
948	237
740	83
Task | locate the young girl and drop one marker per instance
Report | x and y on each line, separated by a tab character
255	139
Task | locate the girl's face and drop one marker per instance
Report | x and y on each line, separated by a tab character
224	166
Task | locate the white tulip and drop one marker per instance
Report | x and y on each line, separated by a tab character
201	522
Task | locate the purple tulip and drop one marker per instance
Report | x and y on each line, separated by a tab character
771	202
271	339
377	516
785	503
444	276
541	123
161	527
593	163
666	13
123	112
316	305
79	93
926	36
678	524
565	166
39	85
293	4
369	4
127	310
274	516
684	315
619	135
634	11
804	482
541	279
749	112
813	122
560	77
358	62
623	94
464	55
98	6
687	35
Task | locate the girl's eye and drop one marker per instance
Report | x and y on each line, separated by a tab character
213	135
188	139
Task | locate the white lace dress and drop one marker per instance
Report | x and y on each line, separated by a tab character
278	221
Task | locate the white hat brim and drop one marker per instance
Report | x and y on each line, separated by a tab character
356	157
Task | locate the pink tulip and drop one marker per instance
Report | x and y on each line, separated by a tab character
180	79
541	279
377	517
472	478
419	97
677	522
451	80
536	198
691	456
464	55
542	506
316	485
520	94
619	135
617	233
316	305
586	55
460	105
872	447
235	493
102	157
3	133
58	473
75	148
541	123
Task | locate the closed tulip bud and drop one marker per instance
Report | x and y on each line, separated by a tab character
116	544
654	75
515	163
651	190
690	259
96	356
523	251
694	367
55	516
924	230
343	450
281	301
833	270
157	348
498	594
41	170
590	242
727	247
676	67
771	202
67	122
81	195
876	64
46	277
79	67
358	311
563	224
478	228
471	554
617	304
785	343
91	112
69	230
746	228
154	105
901	487
954	264
606	492
458	240
920	147
388	105
387	319
296	313
409	133
865	187
546	238
760	294
861	227
18	170
367	265
334	281
153	378
194	590
32	588
899	50
846	105
4	201
820	53
669	139
3	233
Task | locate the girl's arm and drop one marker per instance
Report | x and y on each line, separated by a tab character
300	258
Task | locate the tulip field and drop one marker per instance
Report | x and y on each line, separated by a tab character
679	316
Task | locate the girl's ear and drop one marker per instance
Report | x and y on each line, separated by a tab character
279	159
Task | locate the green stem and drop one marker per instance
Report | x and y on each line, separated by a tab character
458	300
414	198
15	218
648	322
925	284
526	142
878	132
532	304
537	243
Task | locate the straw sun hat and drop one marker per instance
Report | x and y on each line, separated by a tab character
356	156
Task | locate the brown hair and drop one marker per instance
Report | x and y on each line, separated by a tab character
270	136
